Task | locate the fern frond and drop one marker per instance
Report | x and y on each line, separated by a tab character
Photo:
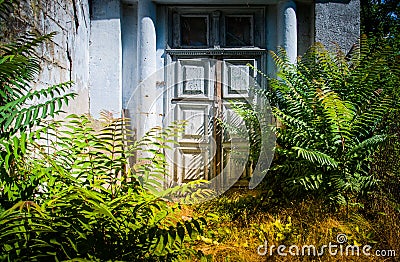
367	147
371	115
316	157
338	113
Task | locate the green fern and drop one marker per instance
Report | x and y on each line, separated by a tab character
330	107
87	203
21	109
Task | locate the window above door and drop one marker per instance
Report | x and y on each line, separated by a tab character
194	31
238	31
205	27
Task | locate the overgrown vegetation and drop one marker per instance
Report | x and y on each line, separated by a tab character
258	218
66	189
87	204
380	20
336	165
22	107
331	109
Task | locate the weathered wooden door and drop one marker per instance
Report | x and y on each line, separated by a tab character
201	95
193	99
204	78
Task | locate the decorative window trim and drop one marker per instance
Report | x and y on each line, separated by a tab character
216	25
217	51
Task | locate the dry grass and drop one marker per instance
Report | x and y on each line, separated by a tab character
230	237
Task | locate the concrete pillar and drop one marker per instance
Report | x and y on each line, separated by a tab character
146	39
145	114
105	77
287	28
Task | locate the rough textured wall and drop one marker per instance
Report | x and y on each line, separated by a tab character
66	57
305	27
337	21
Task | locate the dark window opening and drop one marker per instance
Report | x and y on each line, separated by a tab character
194	31
238	31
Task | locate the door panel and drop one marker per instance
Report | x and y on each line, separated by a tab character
192	164
192	101
234	144
195	144
203	91
193	78
197	129
237	77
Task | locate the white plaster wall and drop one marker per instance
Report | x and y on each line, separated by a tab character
271	37
105	78
78	48
66	56
129	52
123	52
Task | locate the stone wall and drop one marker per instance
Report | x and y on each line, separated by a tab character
66	56
337	21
